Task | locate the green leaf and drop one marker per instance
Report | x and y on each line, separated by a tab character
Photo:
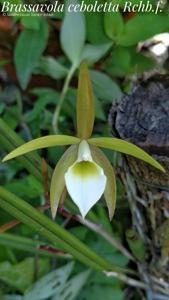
51	67
104	87
31	22
11	117
21	275
100	112
60	237
72	287
21	186
93	53
29	47
113	24
136	244
29	245
100	292
49	285
58	179
119	62
141	63
44	97
126	148
110	190
10	140
94	25
73	33
85	104
43	142
142	27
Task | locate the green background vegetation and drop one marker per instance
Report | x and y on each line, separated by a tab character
39	62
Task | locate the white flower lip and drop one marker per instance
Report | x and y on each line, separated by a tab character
85	180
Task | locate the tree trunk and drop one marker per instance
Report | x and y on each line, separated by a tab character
142	117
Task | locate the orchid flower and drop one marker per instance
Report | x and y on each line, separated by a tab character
85	180
84	169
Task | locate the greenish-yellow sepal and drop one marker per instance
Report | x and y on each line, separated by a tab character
85	104
126	148
43	142
58	179
110	190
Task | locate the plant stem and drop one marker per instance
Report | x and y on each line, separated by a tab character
62	98
128	280
137	283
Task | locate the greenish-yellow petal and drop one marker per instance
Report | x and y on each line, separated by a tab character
58	180
85	104
43	142
126	148
110	191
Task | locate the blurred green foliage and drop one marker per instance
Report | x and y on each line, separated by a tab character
45	54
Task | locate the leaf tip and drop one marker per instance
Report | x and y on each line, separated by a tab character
8	156
162	169
159	166
110	211
5	158
53	212
111	216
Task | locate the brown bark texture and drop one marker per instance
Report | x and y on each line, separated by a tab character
142	117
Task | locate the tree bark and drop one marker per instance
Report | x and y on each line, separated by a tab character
142	117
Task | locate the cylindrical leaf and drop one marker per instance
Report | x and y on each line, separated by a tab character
10	140
85	104
25	244
110	190
55	233
58	180
127	148
43	142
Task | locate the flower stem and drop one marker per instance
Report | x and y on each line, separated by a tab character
62	98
